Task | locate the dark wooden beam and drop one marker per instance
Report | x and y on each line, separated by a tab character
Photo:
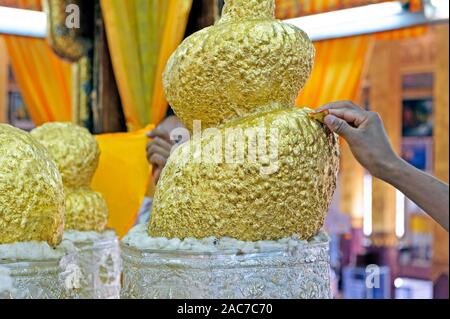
203	14
107	109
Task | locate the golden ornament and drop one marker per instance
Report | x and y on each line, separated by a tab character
76	152
206	198
248	62
31	190
243	74
87	210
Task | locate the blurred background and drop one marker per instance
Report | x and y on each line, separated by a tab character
98	63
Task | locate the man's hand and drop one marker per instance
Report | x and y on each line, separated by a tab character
365	134
159	148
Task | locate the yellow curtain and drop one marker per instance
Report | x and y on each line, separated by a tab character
122	176
337	71
178	14
286	9
4	63
341	64
141	34
43	78
23	4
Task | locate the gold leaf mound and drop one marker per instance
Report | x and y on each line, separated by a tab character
31	190
245	73
202	198
76	153
248	62
74	149
88	210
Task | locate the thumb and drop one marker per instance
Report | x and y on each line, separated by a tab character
338	125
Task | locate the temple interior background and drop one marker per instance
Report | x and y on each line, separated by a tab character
106	76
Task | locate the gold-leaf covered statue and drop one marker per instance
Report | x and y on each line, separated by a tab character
248	62
76	153
31	190
242	75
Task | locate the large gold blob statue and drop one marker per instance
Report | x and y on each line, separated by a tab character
76	153
242	75
31	190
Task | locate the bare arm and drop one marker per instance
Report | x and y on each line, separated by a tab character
427	192
367	138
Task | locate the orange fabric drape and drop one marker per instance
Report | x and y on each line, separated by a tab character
178	13
340	66
43	78
4	63
340	63
400	34
337	71
287	9
23	4
141	36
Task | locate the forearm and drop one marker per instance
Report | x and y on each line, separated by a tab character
427	192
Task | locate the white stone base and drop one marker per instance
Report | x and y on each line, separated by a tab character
93	272
32	270
225	268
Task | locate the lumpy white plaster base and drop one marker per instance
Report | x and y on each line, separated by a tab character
93	272
32	270
224	268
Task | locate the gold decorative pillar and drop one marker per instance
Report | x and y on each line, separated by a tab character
441	143
71	36
81	91
3	82
385	98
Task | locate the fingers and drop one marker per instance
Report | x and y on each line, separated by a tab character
158	146
167	145
346	111
155	149
161	132
164	129
339	126
338	105
350	115
157	160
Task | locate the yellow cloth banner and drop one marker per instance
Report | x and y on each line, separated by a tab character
122	176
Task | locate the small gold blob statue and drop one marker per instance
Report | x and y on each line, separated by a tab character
76	153
247	63
31	190
245	73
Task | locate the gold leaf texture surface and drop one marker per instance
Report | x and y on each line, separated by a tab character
202	198
76	152
31	190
